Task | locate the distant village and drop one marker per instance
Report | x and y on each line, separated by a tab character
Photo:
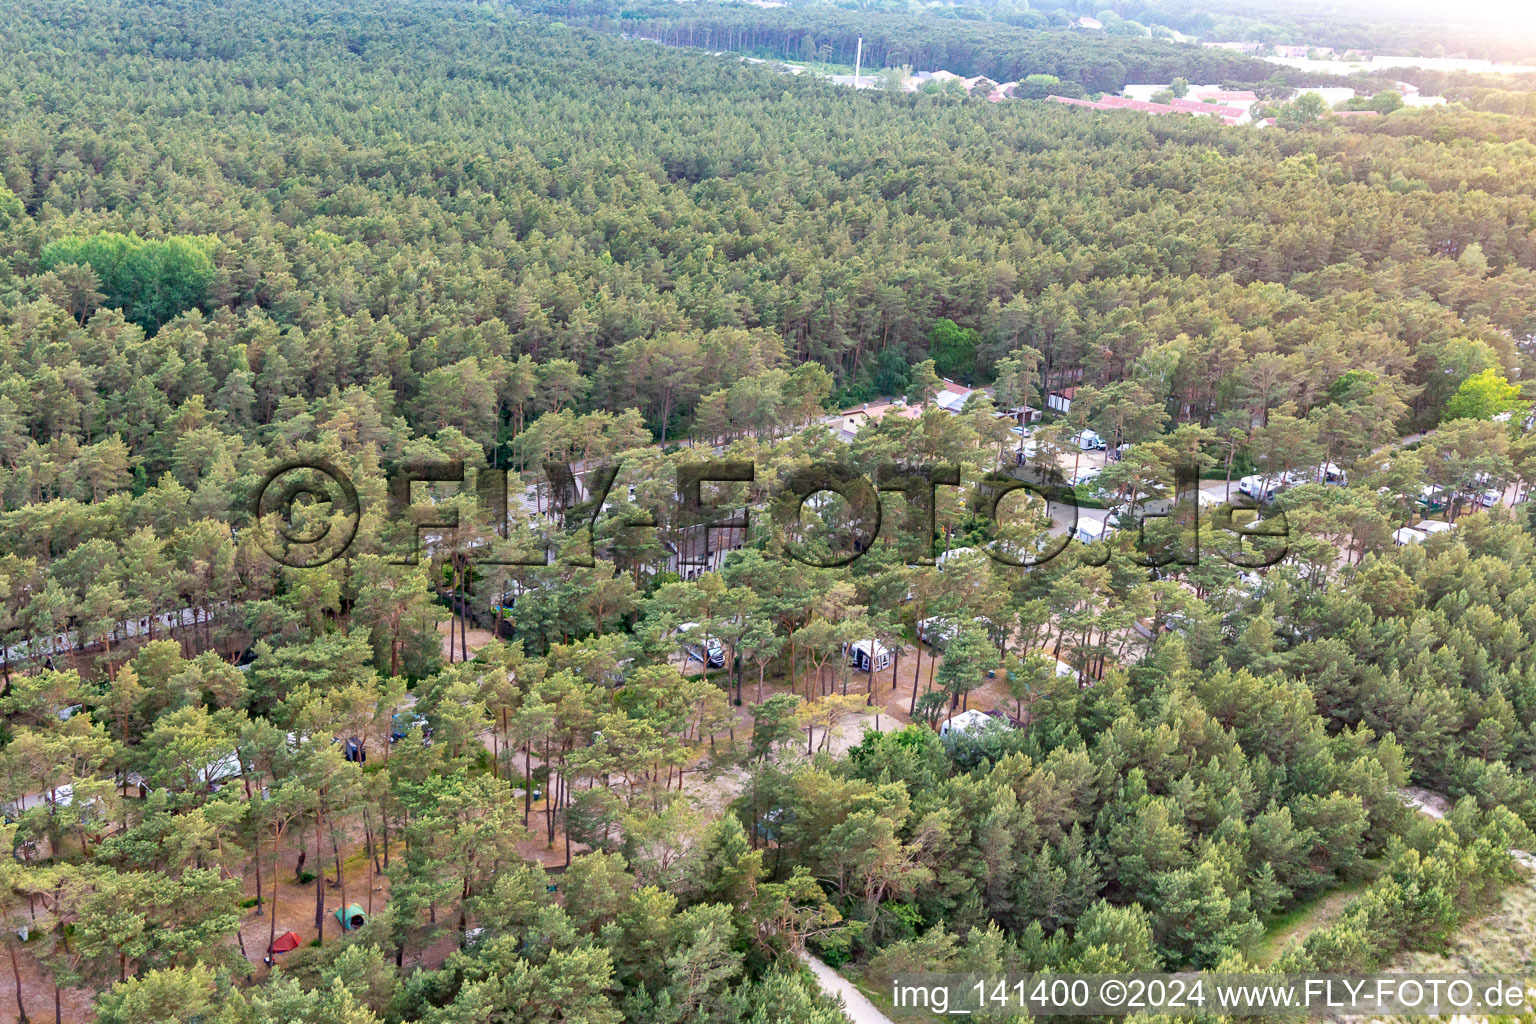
1230	107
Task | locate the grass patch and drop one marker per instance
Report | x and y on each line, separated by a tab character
1294	925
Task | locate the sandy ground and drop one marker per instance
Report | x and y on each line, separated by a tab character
476	638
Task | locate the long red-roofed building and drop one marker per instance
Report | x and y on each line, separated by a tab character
1226	96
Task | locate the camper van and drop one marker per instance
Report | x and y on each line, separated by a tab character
1090	530
868	655
1088	440
1263	488
935	631
938	631
1084	475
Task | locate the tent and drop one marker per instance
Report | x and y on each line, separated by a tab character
352	917
965	721
284	942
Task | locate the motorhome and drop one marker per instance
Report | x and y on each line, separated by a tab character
1088	440
938	630
1090	530
1263	488
935	631
1085	474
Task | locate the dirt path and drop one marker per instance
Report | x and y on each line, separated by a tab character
855	1006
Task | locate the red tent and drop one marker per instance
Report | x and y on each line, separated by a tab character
284	942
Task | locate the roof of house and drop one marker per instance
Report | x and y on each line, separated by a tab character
877	411
1198	107
1145	106
953	396
1240	95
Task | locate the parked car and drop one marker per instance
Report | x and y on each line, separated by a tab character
400	726
709	651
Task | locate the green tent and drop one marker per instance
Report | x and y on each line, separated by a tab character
352	917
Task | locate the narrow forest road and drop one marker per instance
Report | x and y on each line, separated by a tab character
856	1007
